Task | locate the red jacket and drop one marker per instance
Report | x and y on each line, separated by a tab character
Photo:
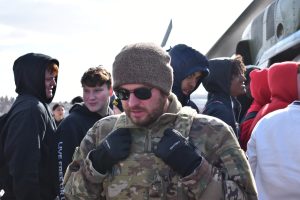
260	92
282	79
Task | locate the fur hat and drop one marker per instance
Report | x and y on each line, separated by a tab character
143	63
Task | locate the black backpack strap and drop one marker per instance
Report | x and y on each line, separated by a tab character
250	115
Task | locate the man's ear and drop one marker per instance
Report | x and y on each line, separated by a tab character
110	91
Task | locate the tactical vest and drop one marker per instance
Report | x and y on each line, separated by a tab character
143	175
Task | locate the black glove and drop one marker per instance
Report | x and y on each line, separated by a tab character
177	152
114	148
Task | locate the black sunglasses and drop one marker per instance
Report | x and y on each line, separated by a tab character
142	93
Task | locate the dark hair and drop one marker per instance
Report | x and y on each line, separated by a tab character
57	105
249	69
238	66
96	76
77	99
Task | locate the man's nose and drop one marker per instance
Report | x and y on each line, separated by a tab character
193	83
133	100
53	82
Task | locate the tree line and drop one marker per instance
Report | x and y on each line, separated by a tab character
6	103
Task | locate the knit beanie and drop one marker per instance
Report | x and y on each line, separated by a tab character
143	63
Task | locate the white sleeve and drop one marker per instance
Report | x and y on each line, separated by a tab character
251	150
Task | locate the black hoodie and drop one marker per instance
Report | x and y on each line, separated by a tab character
219	103
29	148
185	61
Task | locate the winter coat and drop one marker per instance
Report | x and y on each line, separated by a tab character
260	92
273	152
282	80
70	133
223	174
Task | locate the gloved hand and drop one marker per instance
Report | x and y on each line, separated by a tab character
177	152
115	147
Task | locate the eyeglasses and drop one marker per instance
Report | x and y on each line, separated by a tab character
142	93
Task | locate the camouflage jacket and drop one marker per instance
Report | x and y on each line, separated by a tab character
223	174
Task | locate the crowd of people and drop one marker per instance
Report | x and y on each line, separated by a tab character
136	134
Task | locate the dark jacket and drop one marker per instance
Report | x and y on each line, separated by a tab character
185	61
219	103
71	131
29	147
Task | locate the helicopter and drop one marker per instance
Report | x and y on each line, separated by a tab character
268	31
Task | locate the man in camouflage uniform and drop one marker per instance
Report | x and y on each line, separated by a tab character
157	149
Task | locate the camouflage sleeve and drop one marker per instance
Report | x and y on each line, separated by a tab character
224	172
81	180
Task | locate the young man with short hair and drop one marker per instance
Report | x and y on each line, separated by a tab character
58	112
96	86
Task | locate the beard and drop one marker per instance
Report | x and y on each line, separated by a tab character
151	115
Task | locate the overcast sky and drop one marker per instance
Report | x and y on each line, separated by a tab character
87	33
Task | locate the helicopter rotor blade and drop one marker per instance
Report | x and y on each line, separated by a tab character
167	34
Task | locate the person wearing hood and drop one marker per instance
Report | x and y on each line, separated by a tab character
29	146
224	83
283	90
97	89
189	68
273	147
259	89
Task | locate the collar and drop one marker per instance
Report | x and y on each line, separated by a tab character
297	103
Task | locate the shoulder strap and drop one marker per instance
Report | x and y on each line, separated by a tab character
184	120
250	115
120	122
